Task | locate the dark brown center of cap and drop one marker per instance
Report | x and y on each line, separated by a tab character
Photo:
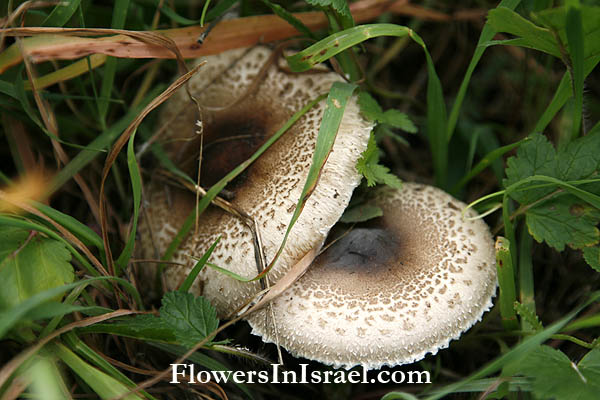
231	136
383	254
360	247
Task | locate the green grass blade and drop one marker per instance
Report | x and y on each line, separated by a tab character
570	187
79	346
103	141
562	94
164	8
436	123
340	41
103	385
81	231
486	162
506	281
8	318
189	280
136	187
528	34
575	38
220	9
290	18
110	67
526	285
62	13
486	35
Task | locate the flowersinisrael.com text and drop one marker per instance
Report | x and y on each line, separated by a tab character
188	373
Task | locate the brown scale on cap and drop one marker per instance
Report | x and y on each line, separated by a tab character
236	122
392	290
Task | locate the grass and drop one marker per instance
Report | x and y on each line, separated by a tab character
507	110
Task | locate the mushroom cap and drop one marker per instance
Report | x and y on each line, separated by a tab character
390	292
268	190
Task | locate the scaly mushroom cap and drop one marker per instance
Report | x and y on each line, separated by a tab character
390	292
268	190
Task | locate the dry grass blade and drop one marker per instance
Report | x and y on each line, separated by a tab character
119	145
13	364
15	131
286	281
226	35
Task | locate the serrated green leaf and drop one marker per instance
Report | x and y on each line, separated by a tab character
341	6
30	264
555	376
372	111
399	120
191	318
564	220
579	159
361	213
368	165
535	157
592	257
529	316
369	107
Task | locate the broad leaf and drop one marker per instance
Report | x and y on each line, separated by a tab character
368	165
30	263
536	157
191	318
556	377
564	220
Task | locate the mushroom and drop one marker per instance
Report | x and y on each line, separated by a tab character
390	291
238	117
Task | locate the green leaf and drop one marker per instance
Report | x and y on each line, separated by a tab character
136	188
9	318
361	213
290	18
575	36
62	13
529	34
556	19
189	280
399	120
487	33
144	327
555	376
564	220
368	165
341	6
372	111
592	257
536	157
369	107
579	159
30	263
529	316
191	318
104	385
